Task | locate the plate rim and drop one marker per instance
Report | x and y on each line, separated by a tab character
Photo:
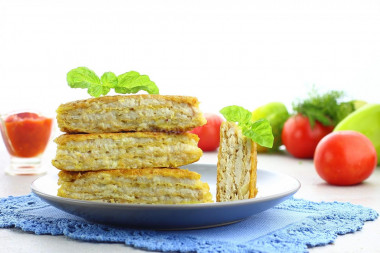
172	206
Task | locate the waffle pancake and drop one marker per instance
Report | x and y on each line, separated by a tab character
83	152
142	113
139	186
237	164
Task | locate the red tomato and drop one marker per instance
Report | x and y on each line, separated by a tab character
300	139
345	158
209	134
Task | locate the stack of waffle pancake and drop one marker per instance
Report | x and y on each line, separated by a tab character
127	149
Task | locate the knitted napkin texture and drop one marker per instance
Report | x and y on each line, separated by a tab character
292	226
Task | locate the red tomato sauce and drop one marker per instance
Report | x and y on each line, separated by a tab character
26	134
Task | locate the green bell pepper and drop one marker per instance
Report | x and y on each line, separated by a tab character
276	113
365	120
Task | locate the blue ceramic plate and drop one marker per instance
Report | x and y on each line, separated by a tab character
273	189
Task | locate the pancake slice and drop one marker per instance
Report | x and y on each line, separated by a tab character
237	165
84	152
138	113
138	186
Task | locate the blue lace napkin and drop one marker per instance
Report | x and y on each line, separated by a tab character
292	226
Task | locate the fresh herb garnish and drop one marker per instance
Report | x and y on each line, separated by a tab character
130	82
259	131
324	108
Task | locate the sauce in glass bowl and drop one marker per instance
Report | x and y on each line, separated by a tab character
26	134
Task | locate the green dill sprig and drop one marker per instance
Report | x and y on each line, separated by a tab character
324	108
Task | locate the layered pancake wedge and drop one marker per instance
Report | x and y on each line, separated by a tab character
237	165
140	113
108	151
139	186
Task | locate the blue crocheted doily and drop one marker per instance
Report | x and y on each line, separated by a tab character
292	226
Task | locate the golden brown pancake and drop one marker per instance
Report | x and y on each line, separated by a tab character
142	113
139	186
107	151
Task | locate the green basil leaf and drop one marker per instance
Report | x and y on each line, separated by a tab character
143	83
259	131
121	90
105	90
236	113
130	82
125	79
95	90
82	77
133	82
109	79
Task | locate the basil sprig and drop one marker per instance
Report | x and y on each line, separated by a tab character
259	131
129	82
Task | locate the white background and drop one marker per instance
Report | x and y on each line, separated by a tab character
224	52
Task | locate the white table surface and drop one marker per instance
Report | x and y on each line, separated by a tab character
313	188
